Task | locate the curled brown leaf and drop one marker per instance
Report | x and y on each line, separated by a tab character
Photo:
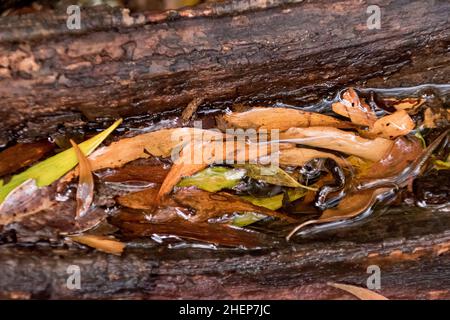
85	189
278	118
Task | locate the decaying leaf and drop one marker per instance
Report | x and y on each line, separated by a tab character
412	166
85	189
360	293
24	200
436	118
214	179
211	205
300	156
338	140
351	106
101	243
243	220
408	104
392	126
144	199
351	206
230	151
22	155
276	202
273	175
402	153
53	168
278	118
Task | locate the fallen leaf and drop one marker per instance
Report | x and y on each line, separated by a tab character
214	179
360	293
53	168
338	140
278	118
22	155
350	106
351	206
101	243
211	205
85	189
392	126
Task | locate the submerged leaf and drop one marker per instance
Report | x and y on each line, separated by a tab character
247	218
357	110
349	207
53	168
209	205
338	140
442	165
100	243
360	293
392	126
273	175
85	189
22	155
275	202
214	179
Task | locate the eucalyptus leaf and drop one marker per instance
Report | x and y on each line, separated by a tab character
275	202
214	179
247	218
48	171
273	175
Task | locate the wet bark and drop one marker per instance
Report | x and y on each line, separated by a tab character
120	64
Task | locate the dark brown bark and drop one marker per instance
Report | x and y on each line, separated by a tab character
411	249
120	65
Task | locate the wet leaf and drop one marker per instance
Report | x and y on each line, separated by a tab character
278	118
101	243
209	205
442	165
392	126
338	140
300	156
351	206
275	202
214	179
85	189
357	110
360	293
53	168
273	175
145	199
243	220
22	155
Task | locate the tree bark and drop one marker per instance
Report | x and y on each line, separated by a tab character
119	64
410	248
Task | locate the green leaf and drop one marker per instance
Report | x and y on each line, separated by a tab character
273	175
275	202
48	171
420	137
442	165
247	218
214	179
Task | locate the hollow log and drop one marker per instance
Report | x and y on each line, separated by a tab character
122	64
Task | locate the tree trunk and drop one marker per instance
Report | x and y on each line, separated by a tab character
119	64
